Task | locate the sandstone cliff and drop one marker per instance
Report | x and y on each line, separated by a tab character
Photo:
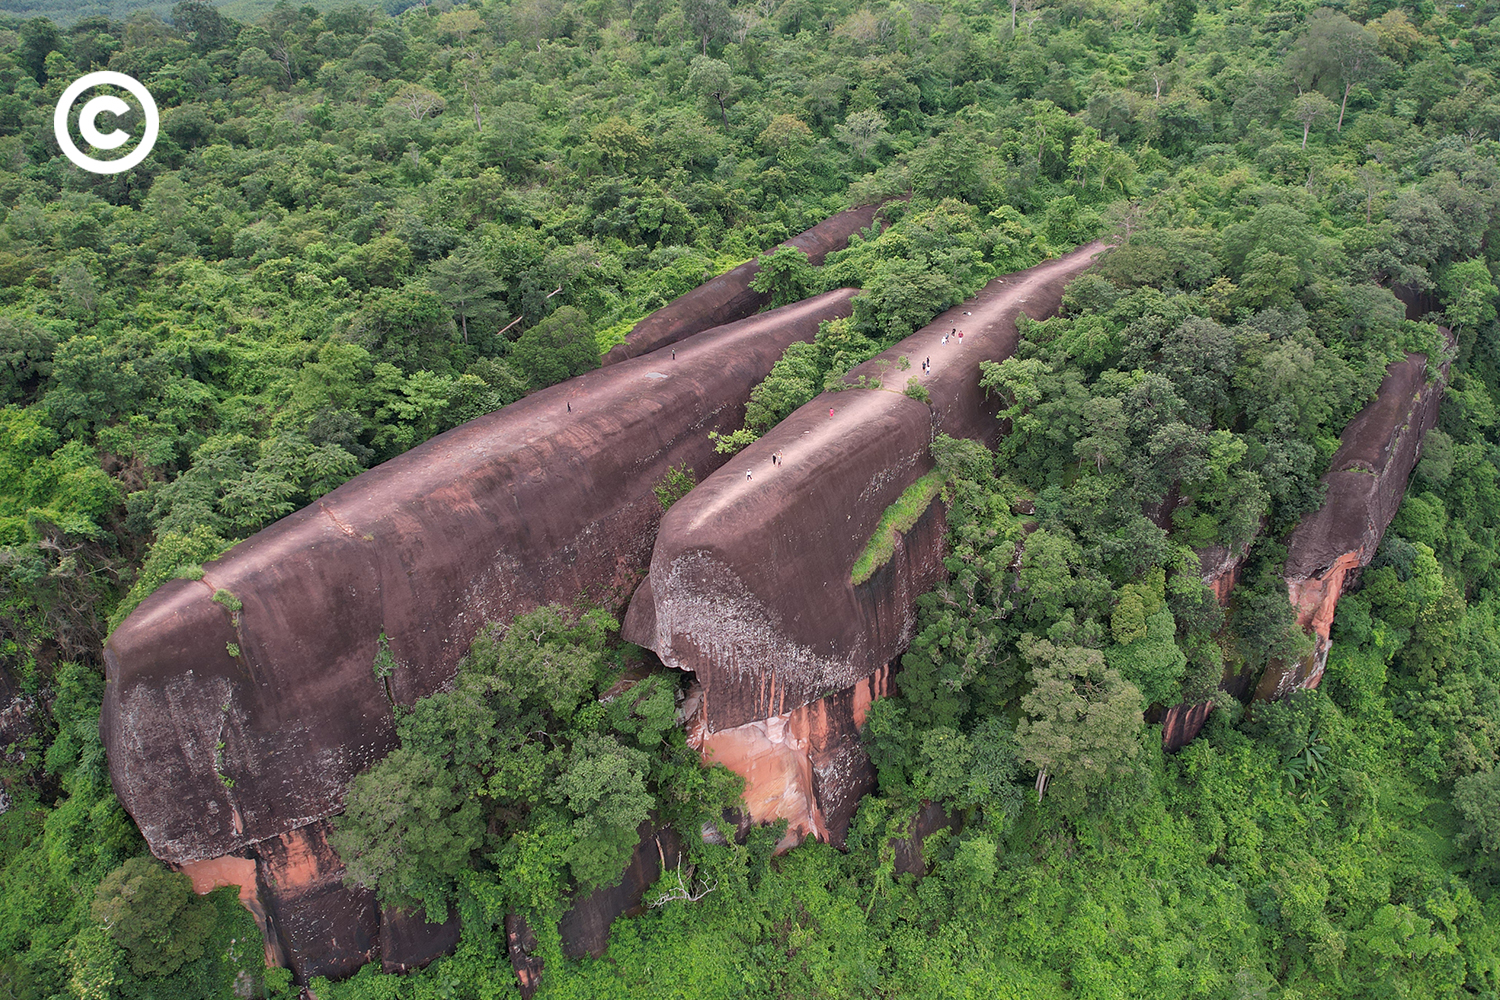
729	296
1366	482
750	585
233	725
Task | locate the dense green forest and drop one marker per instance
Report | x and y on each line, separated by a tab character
361	228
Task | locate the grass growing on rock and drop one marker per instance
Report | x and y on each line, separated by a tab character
898	518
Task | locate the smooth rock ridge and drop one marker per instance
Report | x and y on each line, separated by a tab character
1366	483
215	754
750	585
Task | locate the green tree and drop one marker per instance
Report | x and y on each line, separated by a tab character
557	348
407	830
604	785
1469	293
1151	659
1337	51
154	915
1477	799
1083	720
785	275
712	79
467	287
546	659
1309	108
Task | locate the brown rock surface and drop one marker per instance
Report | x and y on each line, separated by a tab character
750	585
585	926
323	927
1181	724
408	941
524	506
729	297
1220	569
929	820
521	943
1366	482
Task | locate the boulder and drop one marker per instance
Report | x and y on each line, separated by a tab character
238	707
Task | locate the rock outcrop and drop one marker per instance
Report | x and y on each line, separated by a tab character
1366	483
238	707
729	297
750	586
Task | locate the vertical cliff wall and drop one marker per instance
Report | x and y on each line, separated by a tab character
750	585
1366	482
237	707
729	297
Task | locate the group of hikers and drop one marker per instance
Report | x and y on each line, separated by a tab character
927	363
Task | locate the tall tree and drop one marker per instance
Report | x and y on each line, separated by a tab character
1336	50
1082	719
712	79
466	286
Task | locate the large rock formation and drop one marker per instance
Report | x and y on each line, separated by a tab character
1366	482
729	297
237	707
750	585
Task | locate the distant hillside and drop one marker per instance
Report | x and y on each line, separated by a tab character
66	13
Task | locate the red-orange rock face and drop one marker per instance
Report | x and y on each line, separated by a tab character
1366	483
805	766
750	585
239	872
729	297
1220	570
